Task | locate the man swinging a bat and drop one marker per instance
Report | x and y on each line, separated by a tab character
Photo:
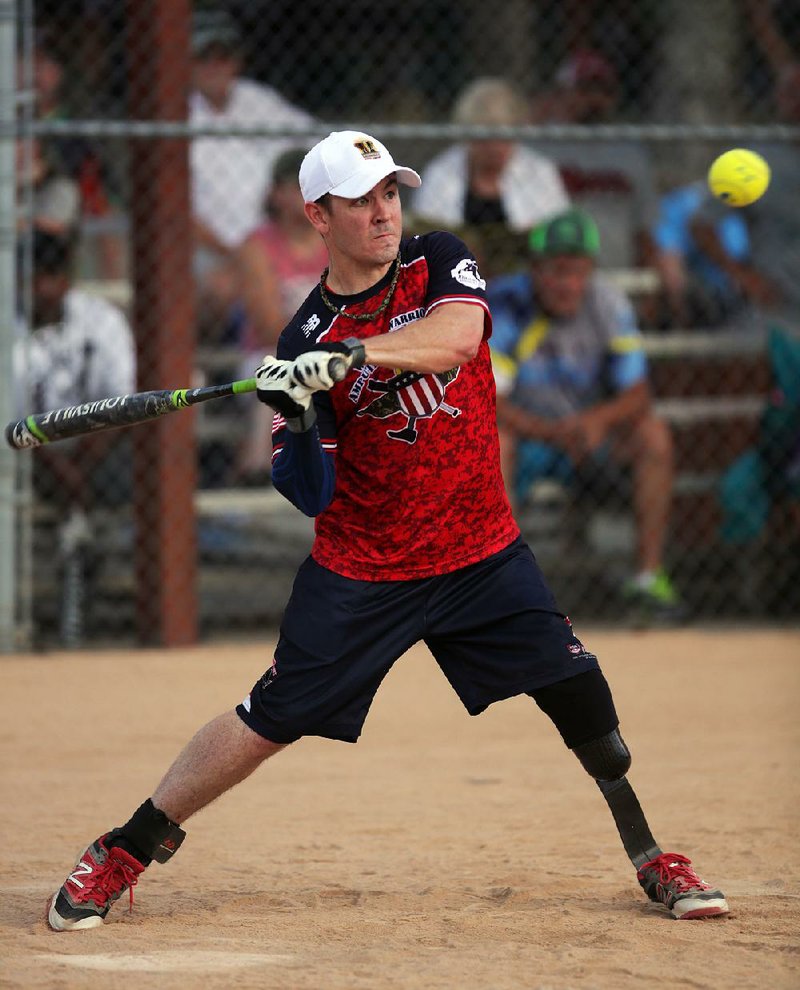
415	540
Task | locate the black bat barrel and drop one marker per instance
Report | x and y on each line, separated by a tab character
90	417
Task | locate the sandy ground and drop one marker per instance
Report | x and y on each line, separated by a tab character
441	852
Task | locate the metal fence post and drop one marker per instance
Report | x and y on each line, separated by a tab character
8	540
163	311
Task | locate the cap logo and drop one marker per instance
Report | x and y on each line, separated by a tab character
367	148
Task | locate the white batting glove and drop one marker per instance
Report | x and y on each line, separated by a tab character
312	370
277	389
328	364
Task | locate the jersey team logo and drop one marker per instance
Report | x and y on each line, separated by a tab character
466	272
411	394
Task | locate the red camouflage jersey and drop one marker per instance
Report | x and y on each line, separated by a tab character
418	490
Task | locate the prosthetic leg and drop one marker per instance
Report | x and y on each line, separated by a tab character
608	759
583	711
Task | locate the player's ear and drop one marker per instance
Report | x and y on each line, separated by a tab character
317	217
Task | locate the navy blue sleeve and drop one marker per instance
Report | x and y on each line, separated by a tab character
303	473
303	464
452	268
453	274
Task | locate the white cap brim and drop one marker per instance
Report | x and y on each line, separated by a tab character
364	180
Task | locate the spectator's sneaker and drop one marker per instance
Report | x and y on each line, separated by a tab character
100	876
669	879
656	600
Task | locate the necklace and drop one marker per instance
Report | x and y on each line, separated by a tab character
361	317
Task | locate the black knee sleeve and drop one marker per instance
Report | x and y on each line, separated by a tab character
580	707
606	758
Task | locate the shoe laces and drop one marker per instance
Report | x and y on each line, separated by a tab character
113	877
675	871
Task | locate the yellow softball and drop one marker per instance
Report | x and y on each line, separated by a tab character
738	177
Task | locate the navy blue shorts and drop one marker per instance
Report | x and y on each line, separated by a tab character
493	628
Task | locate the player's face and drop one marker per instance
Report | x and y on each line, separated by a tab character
365	231
561	283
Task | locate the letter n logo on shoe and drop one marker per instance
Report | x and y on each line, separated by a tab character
81	870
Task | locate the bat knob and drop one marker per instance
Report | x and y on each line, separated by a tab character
20	437
354	357
338	368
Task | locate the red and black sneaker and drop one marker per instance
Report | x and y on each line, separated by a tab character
100	876
669	879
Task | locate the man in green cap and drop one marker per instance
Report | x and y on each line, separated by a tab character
573	391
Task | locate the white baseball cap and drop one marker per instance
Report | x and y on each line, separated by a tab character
349	164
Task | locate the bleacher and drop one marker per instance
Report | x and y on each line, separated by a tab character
710	386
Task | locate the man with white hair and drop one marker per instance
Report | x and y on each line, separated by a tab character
494	186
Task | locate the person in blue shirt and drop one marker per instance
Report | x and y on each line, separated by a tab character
698	290
573	390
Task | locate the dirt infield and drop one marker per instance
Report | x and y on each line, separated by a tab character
441	852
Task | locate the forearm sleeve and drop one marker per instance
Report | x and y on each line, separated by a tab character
303	473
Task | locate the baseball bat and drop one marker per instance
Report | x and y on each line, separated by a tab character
111	413
125	410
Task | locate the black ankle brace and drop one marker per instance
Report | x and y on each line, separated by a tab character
152	832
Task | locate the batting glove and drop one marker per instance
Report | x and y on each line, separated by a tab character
328	364
275	388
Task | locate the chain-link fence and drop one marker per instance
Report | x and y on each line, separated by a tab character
161	242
